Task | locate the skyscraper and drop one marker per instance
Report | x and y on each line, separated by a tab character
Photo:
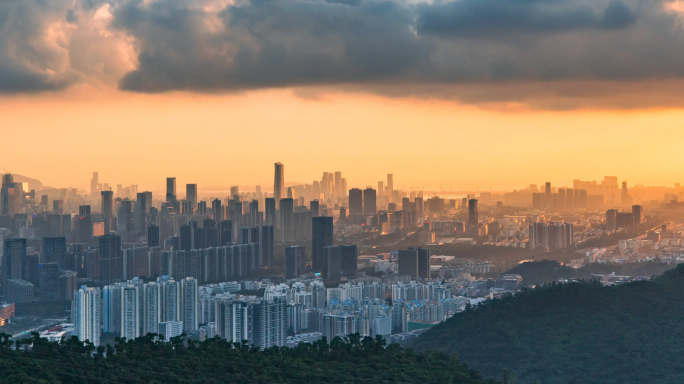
107	204
151	308
611	219
111	259
338	184
189	298
94	185
87	314
390	185
278	183
322	233
636	212
355	202
270	211
170	189
54	250
153	239
369	201
349	258
286	219
12	260
408	262
472	213
332	270
217	210
313	207
294	261
191	194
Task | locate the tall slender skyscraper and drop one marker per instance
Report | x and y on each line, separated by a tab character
355	202
472	212
87	314
278	183
338	184
170	189
390	185
191	194
94	185
286	220
107	204
217	210
270	211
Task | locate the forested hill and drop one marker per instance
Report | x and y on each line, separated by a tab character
147	360
574	333
547	271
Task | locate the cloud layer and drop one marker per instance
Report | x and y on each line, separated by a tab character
372	45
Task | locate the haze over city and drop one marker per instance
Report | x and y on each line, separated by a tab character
342	191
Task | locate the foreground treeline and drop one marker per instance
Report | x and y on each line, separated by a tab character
574	333
150	360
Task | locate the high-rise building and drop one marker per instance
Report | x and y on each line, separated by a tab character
322	233
313	208
170	189
130	311
414	262
58	207
170	292
19	291
49	281
217	210
191	195
266	237
369	201
94	185
349	258
55	250
611	219
294	261
270	211
12	260
153	239
355	202
189	298
11	196
338	184
472	213
332	269
278	183
636	212
110	259
87	314
270	323
390	185
107	204
286	219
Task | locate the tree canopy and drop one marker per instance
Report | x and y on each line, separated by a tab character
580	332
150	360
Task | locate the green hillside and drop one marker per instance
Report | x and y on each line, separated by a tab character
574	333
148	360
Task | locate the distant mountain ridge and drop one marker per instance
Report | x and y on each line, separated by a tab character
574	333
33	183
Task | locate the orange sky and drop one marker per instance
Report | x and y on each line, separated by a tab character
222	140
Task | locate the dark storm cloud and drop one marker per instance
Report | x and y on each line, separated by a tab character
27	63
476	51
280	43
271	43
496	18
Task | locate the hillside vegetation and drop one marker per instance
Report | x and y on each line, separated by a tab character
574	333
149	360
